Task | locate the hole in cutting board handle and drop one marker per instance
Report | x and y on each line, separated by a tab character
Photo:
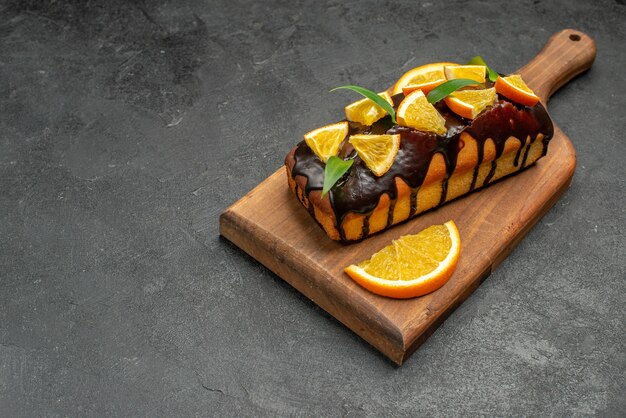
574	37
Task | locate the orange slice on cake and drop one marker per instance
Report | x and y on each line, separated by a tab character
325	141
469	103
365	111
378	152
415	112
424	78
514	88
471	72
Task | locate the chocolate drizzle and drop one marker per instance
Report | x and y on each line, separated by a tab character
359	190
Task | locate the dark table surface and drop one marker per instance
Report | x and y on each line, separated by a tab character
126	128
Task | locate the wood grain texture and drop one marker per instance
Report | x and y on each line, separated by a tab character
270	225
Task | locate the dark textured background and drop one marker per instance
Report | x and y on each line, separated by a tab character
126	128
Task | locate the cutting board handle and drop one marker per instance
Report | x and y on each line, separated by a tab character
566	54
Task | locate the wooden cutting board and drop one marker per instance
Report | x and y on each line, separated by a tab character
270	224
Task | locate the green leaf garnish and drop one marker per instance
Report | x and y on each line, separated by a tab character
335	168
448	87
373	97
478	60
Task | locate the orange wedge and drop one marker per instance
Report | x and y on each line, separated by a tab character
365	111
469	103
425	87
472	72
412	265
325	141
514	88
424	78
378	152
415	112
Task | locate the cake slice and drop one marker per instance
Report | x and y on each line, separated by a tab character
429	169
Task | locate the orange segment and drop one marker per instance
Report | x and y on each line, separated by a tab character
427	77
378	152
472	72
415	112
425	87
325	141
365	111
514	88
412	265
469	103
